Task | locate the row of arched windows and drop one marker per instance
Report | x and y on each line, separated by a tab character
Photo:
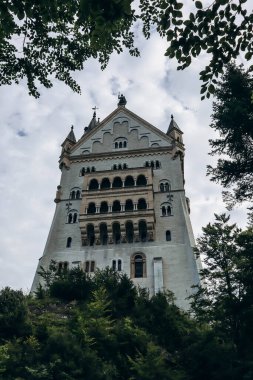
87	170
119	166
138	266
75	194
117	236
117	182
166	210
120	143
153	164
117	206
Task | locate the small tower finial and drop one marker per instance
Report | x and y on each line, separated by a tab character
95	109
172	117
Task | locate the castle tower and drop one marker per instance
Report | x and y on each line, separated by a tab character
121	203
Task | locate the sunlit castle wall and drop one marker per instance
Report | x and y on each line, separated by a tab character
121	203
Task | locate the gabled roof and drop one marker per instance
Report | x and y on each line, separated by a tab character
89	133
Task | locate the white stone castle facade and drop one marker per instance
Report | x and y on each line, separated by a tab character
121	203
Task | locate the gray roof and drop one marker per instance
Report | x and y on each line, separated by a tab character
173	125
71	135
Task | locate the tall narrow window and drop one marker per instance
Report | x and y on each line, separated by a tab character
116	233
162	187
119	265
116	207
92	266
105	184
142	204
124	144
129	181
69	242
91	208
129	231
114	264
78	194
87	266
141	180
163	211
104	207
168	235
168	210
82	172
157	164
143	231
75	218
117	182
73	195
90	234
93	184
103	233
129	206
138	266
70	218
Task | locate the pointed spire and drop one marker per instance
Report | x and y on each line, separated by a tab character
173	125
71	135
122	100
93	123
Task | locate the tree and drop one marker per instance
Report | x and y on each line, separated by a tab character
224	297
39	40
233	118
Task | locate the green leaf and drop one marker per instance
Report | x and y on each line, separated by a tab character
198	5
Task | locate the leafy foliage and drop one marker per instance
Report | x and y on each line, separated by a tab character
84	335
39	40
224	297
233	119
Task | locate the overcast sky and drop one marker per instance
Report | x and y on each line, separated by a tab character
32	131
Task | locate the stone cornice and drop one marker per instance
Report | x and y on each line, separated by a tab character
123	154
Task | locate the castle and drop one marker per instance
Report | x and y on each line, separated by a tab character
121	203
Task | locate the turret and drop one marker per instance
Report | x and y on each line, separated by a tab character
174	131
67	144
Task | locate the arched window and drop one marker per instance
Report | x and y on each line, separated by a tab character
114	265
124	166
92	266
166	209
142	204
143	231
75	218
120	167
167	187
129	232
162	187
114	167
105	184
82	172
90	234
141	180
117	182
116	207
73	195
88	170
116	233
120	143
152	164
103	233
78	194
119	265
104	207
63	266
124	144
129	206
138	265
129	181
91	208
168	235
93	169
70	218
157	164
116	145
69	242
93	184
146	164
